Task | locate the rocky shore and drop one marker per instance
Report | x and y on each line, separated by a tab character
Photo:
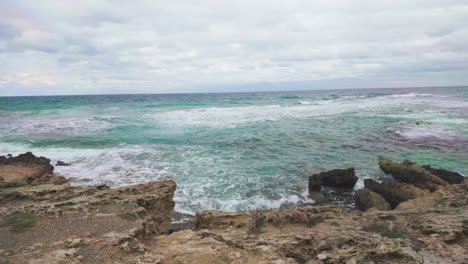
420	217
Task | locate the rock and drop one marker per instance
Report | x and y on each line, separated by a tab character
62	163
338	178
410	172
366	199
393	192
315	183
23	169
50	179
448	176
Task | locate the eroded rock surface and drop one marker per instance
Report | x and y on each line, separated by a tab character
411	173
23	169
366	199
59	223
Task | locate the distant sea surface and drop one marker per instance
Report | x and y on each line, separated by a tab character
238	151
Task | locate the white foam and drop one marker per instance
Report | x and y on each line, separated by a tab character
425	133
233	116
187	204
53	126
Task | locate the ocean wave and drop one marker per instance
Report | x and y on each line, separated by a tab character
408	95
425	134
189	205
53	126
233	116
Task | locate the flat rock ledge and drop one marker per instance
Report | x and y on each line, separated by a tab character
50	222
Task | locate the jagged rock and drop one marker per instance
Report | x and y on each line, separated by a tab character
50	179
393	192
97	224
410	172
448	176
315	183
64	212
62	163
339	178
366	199
23	169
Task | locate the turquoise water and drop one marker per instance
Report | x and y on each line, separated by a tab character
238	151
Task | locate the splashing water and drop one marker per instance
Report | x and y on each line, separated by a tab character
237	151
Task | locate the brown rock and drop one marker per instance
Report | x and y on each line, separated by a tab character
366	199
410	172
23	169
393	192
448	176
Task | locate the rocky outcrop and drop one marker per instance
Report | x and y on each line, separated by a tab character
23	169
57	223
448	176
411	173
366	199
413	233
44	219
393	192
338	178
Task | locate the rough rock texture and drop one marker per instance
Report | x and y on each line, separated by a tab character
448	176
59	223
339	178
366	199
414	232
23	169
393	192
410	172
48	221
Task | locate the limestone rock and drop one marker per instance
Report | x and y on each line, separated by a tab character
23	169
411	173
366	199
448	176
393	192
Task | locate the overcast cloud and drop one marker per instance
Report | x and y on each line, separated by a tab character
82	47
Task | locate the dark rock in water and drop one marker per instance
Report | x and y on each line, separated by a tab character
315	184
448	176
410	172
393	192
62	163
338	178
365	199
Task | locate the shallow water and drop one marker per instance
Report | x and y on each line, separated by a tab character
238	151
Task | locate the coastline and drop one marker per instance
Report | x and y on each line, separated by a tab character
421	217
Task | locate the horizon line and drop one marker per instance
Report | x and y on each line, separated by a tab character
266	91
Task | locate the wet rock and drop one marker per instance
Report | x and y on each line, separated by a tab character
366	199
62	163
446	175
315	183
338	178
410	172
393	192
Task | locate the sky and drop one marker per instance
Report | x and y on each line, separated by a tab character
158	46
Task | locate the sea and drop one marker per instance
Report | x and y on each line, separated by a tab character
238	151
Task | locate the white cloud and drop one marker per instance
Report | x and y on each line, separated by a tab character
180	46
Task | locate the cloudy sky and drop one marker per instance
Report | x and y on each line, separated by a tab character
159	46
